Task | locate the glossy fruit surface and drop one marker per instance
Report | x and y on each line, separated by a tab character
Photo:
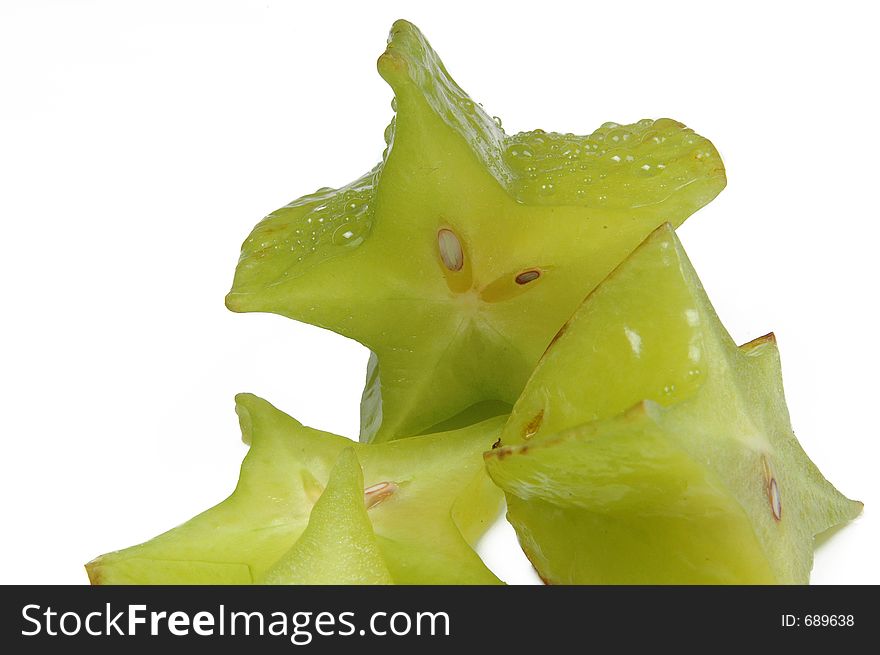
338	546
647	448
289	520
456	259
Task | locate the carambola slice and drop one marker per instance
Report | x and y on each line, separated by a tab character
338	546
647	448
456	259
427	500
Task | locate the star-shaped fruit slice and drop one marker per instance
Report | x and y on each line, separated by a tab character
648	448
338	546
458	257
424	501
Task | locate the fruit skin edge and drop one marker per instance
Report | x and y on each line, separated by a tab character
781	503
474	255
446	262
428	500
338	546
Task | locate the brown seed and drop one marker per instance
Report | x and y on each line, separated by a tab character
534	425
772	487
775	500
377	493
450	249
528	276
555	338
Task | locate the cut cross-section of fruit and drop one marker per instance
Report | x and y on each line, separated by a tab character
647	448
338	546
428	499
456	259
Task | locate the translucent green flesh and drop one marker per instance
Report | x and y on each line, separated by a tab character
637	549
609	503
441	502
338	546
650	333
366	261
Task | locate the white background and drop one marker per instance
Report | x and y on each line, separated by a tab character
140	142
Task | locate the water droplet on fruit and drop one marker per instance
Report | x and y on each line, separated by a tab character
518	152
618	136
635	340
377	493
527	276
343	234
393	104
450	249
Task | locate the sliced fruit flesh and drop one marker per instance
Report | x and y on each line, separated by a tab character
338	546
429	500
649	333
470	247
622	495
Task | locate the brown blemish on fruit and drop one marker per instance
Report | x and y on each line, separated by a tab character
499	453
555	338
532	427
525	277
377	493
497	444
756	343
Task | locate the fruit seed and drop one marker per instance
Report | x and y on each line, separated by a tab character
450	249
